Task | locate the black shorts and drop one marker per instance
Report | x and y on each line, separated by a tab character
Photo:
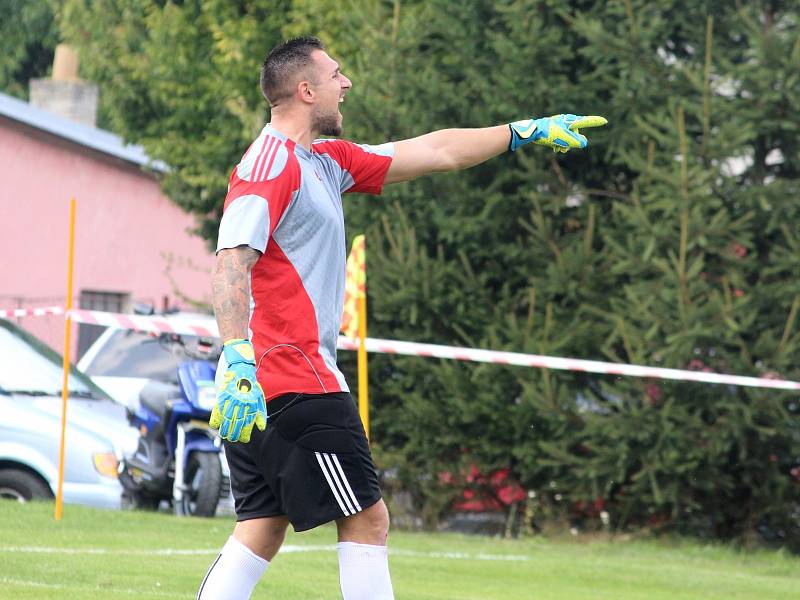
312	463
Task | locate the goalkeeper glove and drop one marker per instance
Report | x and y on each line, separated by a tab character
240	399
559	132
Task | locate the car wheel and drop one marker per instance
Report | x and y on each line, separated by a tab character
22	486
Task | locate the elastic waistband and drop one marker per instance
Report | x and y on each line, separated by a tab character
278	403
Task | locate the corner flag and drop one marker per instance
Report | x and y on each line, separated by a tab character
354	318
355	286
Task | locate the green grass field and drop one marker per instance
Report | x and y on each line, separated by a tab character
95	554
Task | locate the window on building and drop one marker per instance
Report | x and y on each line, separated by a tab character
95	300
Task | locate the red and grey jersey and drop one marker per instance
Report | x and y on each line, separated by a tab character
286	202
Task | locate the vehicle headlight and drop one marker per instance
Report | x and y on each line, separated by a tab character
106	464
207	396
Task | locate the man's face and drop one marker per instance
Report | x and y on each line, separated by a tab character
330	86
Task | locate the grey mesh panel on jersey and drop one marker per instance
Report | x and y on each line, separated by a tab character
311	235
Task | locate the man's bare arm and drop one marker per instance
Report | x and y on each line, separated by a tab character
230	283
456	149
446	150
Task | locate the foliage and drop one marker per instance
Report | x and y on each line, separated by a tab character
28	37
671	241
660	245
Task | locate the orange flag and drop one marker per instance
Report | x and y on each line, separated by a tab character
355	286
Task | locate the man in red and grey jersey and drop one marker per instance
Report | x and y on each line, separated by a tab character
285	202
278	290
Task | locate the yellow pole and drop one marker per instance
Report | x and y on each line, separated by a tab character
363	399
65	380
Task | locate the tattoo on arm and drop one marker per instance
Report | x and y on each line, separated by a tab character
230	284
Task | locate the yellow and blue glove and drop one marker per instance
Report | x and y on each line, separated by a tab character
240	399
559	132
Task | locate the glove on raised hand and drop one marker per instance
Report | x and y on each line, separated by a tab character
240	399
559	132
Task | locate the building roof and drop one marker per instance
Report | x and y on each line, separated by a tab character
83	135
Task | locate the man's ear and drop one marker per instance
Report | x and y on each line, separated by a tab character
305	91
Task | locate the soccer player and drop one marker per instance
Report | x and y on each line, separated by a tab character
278	291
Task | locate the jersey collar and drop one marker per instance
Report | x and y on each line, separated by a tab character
291	145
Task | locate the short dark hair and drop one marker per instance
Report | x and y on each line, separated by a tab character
282	65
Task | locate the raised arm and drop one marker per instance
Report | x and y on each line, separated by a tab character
446	150
456	149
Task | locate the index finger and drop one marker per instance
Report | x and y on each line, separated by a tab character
588	121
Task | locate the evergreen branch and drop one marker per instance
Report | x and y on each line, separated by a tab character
607	194
684	186
787	330
707	85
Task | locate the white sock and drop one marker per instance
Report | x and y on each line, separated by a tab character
364	572
234	574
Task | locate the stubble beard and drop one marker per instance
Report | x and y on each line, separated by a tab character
327	124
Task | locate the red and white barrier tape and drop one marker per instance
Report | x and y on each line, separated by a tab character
565	364
162	324
31	312
207	327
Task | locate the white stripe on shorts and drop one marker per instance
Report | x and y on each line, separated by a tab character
330	483
334	475
338	482
346	483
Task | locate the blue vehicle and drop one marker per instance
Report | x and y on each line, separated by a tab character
178	458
